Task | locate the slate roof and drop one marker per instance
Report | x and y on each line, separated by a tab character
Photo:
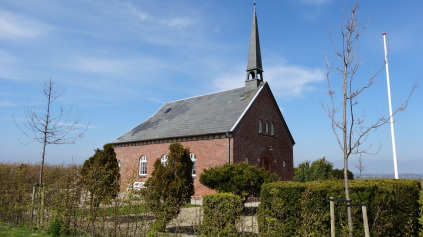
207	114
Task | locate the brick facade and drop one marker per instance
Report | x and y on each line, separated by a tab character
210	150
273	152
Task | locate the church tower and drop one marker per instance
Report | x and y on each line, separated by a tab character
254	67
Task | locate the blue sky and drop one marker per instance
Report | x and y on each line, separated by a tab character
119	60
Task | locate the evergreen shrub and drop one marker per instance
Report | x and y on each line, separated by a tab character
221	212
241	179
302	209
170	187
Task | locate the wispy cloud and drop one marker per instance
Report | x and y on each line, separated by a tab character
101	65
293	80
5	57
285	80
138	13
8	103
13	26
178	22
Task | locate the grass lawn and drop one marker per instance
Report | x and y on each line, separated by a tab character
19	232
190	205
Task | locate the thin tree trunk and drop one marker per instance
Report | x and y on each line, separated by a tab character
46	127
346	141
347	197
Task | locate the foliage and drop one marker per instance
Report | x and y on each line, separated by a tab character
320	169
339	174
56	226
100	175
421	212
302	209
170	186
392	206
66	205
221	211
240	179
15	189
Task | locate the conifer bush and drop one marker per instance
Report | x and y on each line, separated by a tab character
241	179
100	175
170	186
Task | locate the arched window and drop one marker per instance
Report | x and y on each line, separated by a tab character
266	128
272	129
164	159
143	166
284	163
194	166
260	126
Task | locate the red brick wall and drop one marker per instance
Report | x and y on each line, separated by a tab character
210	152
255	148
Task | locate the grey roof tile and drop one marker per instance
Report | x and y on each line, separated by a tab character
207	114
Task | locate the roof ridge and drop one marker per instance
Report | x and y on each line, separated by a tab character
203	95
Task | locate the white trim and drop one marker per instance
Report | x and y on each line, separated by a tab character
248	107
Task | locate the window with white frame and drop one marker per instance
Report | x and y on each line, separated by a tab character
272	129
164	159
143	166
194	165
260	126
266	128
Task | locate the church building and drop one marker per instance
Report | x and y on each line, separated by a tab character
239	125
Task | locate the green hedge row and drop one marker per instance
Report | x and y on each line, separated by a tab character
302	209
221	212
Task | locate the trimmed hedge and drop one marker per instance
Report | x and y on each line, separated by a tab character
302	209
421	211
221	212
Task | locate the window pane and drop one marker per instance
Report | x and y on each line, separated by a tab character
143	166
164	160
194	165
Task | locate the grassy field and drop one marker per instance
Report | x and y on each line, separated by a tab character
19	232
25	232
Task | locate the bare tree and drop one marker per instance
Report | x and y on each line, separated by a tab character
52	126
360	166
349	126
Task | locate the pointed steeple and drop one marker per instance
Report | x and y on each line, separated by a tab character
254	67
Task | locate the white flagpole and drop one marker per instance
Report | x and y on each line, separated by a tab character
391	118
